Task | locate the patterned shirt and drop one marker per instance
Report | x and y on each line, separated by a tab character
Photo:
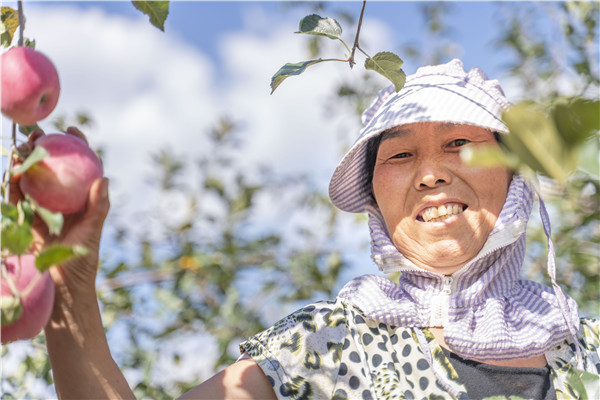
330	350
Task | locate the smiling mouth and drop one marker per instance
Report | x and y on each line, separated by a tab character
440	213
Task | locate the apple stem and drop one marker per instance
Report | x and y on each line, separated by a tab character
21	22
6	177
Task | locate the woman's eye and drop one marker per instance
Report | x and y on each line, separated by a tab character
401	155
459	142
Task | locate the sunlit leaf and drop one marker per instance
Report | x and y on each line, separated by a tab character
28	129
83	119
389	65
321	26
156	10
290	69
588	156
16	238
25	212
53	220
584	383
487	156
535	141
215	184
57	254
9	211
577	119
11	307
9	22
38	154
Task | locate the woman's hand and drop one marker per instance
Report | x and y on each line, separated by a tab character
82	228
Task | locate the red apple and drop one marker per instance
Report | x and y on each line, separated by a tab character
61	181
29	84
35	294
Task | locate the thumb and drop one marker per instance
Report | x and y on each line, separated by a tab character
98	203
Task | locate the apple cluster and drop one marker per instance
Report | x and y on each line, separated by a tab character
59	182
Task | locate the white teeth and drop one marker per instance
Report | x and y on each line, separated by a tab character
442	212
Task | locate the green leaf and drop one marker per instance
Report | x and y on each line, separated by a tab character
57	254
26	213
9	210
9	22
290	69
11	307
389	65
54	220
215	184
28	129
156	10
535	140
29	43
587	385
38	154
487	156
588	156
17	239
576	119
316	25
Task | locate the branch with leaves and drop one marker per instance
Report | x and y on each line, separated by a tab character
385	63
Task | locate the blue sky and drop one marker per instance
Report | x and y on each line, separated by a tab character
201	23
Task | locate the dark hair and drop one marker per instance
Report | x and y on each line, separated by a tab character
371	158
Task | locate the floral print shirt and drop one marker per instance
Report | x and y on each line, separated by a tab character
329	350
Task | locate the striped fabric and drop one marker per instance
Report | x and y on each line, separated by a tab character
486	311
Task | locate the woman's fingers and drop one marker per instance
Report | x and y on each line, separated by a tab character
98	203
35	135
76	132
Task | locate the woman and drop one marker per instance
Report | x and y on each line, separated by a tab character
459	324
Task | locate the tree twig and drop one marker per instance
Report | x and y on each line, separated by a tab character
355	46
13	145
21	22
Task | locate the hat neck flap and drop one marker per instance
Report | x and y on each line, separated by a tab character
486	311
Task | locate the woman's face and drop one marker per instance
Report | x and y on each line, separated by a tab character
438	211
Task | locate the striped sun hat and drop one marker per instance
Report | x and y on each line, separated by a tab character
440	93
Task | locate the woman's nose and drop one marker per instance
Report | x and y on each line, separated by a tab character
431	174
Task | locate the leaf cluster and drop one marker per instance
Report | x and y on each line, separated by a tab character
387	64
